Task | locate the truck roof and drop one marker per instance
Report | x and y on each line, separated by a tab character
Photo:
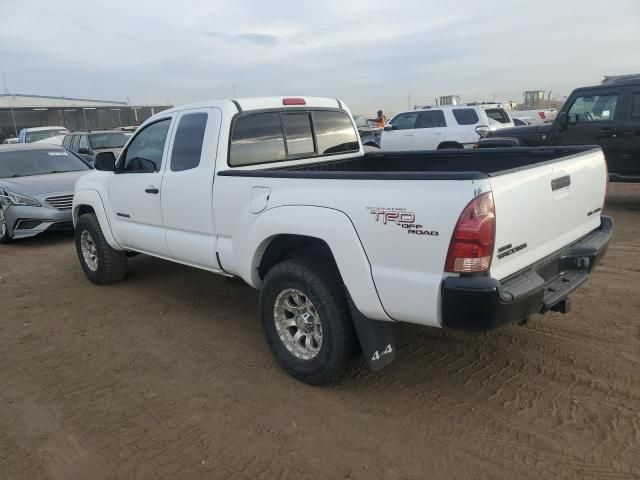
259	103
623	82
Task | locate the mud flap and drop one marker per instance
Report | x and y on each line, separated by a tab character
376	339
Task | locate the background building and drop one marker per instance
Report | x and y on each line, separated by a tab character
19	111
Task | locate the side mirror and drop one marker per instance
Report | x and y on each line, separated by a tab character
105	161
388	128
562	121
84	151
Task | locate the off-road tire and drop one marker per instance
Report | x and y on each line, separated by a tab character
321	283
112	264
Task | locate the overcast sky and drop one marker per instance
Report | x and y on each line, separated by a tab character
371	54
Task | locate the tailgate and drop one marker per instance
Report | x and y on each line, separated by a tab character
541	209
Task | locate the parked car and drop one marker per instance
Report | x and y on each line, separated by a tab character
36	189
606	115
443	127
55	140
30	135
521	121
278	192
545	115
89	144
368	131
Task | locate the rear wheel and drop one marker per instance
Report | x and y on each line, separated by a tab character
4	230
306	320
101	263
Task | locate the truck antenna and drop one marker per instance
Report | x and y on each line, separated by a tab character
4	83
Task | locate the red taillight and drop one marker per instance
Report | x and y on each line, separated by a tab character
472	242
293	101
541	115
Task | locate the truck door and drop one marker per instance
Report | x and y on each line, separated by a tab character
430	130
595	119
134	191
630	135
187	188
400	137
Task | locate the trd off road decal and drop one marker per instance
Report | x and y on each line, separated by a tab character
402	218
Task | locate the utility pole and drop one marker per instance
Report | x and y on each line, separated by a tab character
4	83
235	94
408	101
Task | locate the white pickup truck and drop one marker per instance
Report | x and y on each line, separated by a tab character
342	244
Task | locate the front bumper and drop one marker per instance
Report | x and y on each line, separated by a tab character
25	222
483	303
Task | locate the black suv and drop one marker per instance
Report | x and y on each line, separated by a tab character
607	115
89	144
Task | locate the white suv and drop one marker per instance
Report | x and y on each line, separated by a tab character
435	128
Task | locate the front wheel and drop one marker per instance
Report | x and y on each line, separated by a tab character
101	263
4	230
306	319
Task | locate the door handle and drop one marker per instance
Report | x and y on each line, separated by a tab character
608	131
152	189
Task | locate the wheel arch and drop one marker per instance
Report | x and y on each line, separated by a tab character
89	201
450	144
281	232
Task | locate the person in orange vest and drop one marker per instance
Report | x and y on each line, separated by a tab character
381	120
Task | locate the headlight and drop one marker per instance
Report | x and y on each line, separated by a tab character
17	199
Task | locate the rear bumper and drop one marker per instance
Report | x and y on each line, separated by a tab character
484	303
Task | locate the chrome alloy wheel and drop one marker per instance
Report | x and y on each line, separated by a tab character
88	247
298	324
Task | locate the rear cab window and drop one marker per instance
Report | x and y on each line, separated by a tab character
466	116
267	137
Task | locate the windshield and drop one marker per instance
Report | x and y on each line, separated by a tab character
31	137
23	163
108	140
360	121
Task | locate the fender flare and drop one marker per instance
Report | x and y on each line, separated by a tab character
92	198
332	226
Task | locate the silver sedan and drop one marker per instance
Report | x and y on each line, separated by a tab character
36	189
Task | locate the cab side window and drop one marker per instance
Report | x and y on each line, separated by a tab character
144	153
66	142
593	108
187	144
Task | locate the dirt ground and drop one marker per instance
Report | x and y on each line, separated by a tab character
166	375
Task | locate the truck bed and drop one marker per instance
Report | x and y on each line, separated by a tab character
423	165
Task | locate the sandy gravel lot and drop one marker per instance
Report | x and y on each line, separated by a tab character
166	375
